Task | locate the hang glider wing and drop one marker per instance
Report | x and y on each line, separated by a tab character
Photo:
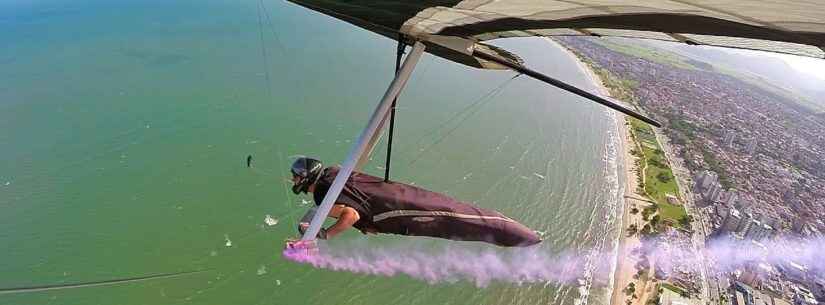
455	29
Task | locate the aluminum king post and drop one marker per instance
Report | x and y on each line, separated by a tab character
360	146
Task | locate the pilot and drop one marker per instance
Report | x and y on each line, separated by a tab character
374	206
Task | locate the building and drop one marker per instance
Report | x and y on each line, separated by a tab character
714	193
747	295
757	230
750	148
794	271
818	288
669	297
780	302
706	179
749	276
719	210
739	299
768	220
729	136
803	296
732	222
732	198
741	294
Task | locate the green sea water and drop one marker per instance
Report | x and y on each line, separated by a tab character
124	128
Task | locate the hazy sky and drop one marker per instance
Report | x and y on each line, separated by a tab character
811	66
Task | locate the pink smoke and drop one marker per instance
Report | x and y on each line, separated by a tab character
540	265
449	264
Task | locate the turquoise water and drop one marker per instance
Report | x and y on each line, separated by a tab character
124	128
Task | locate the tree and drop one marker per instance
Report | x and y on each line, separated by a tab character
634	211
654	220
658	152
648	211
640	273
631	288
632	230
664	177
685	222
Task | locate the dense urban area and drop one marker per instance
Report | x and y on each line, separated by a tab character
749	166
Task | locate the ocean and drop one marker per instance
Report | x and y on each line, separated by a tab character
125	127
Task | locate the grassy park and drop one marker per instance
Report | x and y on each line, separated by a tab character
658	179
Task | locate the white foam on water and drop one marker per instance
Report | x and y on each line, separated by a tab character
600	261
270	221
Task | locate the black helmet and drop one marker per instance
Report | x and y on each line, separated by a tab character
309	170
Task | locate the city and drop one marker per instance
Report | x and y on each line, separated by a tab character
748	162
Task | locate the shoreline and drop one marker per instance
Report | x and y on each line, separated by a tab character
624	268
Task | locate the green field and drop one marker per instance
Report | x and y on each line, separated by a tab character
672	211
651	54
659	180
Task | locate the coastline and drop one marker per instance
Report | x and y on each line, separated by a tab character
624	268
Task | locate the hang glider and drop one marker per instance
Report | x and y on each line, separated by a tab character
457	31
454	29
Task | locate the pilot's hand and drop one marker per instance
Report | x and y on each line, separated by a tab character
295	247
302	227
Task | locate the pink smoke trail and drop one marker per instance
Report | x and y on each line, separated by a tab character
449	264
727	254
539	265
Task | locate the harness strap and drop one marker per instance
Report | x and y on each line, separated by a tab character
416	213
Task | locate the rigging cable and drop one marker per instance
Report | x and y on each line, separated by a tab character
263	51
398	54
99	283
463	111
480	102
272	27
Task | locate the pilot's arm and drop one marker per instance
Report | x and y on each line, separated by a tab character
346	216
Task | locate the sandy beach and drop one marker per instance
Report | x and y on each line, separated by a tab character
626	261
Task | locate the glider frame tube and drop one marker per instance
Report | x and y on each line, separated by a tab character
568	87
360	146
